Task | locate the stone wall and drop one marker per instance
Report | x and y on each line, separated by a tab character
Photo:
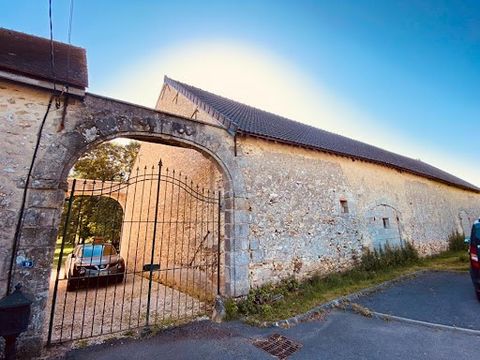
89	121
21	111
283	210
187	234
298	223
297	198
173	102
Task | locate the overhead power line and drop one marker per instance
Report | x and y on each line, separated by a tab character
18	228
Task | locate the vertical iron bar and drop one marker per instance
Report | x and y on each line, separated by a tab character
77	227
212	249
187	266
59	264
177	223
172	178
153	242
136	256
202	241
97	204
135	178
119	187
195	247
185	192
142	254
160	250
112	225
218	240
147	227
86	291
206	253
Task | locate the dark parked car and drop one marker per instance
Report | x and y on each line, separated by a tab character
93	261
474	250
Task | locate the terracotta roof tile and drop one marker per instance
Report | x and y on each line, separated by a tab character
30	55
252	121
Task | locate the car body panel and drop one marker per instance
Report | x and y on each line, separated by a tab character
94	261
475	241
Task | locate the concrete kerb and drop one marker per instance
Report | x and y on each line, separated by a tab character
436	326
344	303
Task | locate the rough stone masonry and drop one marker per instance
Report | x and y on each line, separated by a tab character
90	121
289	209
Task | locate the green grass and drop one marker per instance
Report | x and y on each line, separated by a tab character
68	248
291	297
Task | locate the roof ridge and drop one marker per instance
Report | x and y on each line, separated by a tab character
170	80
238	102
181	87
283	117
41	38
261	123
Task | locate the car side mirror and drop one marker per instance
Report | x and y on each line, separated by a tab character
467	241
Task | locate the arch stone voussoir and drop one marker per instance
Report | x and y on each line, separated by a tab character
91	122
99	119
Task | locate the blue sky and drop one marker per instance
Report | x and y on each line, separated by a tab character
403	75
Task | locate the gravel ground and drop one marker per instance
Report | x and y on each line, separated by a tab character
108	308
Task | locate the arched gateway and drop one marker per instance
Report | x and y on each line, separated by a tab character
97	119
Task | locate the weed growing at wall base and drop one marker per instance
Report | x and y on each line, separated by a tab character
456	242
388	257
291	297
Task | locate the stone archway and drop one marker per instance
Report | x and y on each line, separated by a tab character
384	225
89	123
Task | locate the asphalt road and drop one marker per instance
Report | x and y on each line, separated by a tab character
439	297
339	335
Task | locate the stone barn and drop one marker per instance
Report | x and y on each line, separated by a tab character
292	199
317	199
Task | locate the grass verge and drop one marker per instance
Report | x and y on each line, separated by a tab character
291	297
67	249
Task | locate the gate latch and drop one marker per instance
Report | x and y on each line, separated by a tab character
151	267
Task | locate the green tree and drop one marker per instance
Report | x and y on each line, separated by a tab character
99	216
107	162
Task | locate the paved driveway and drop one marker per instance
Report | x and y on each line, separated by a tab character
443	297
437	297
341	335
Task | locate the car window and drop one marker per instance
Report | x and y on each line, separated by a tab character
98	250
476	232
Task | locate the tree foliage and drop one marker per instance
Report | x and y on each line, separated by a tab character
99	216
107	162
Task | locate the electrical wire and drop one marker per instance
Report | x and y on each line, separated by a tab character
18	228
24	197
70	21
52	49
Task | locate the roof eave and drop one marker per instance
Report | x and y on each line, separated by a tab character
41	83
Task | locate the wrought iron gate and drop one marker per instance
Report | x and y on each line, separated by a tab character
136	253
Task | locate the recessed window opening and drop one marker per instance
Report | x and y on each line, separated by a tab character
344	206
386	223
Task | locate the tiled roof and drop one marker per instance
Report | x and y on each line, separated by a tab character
30	56
249	120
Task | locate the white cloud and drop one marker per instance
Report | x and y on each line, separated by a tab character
258	78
